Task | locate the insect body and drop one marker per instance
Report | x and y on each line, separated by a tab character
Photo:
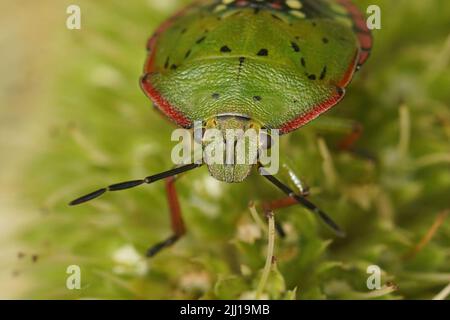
250	63
277	64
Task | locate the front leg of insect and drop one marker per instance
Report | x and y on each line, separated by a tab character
176	219
253	64
349	131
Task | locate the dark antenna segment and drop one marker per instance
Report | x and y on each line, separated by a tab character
303	201
134	183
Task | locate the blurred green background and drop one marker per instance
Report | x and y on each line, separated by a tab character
73	118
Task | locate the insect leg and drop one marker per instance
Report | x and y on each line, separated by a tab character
279	204
176	219
285	202
351	130
348	142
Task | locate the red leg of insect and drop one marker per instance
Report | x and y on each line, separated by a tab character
348	142
352	132
176	219
279	204
286	202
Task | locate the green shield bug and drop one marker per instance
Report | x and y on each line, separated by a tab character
250	64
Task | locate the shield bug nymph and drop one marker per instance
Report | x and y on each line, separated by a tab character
247	63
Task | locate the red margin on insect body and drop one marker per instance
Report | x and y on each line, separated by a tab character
150	90
326	105
317	111
348	75
164	105
365	41
362	31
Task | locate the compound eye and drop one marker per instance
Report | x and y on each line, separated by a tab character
211	123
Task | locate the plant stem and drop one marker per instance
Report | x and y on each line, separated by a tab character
269	258
443	294
257	218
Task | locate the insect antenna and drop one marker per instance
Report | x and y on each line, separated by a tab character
134	183
303	201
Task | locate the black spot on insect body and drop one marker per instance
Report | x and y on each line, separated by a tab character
257	98
325	40
295	46
166	64
225	49
174	67
241	64
314	24
303	62
216	96
263	53
201	40
184	31
188	53
323	73
312	77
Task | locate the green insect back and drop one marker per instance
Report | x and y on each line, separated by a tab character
278	63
